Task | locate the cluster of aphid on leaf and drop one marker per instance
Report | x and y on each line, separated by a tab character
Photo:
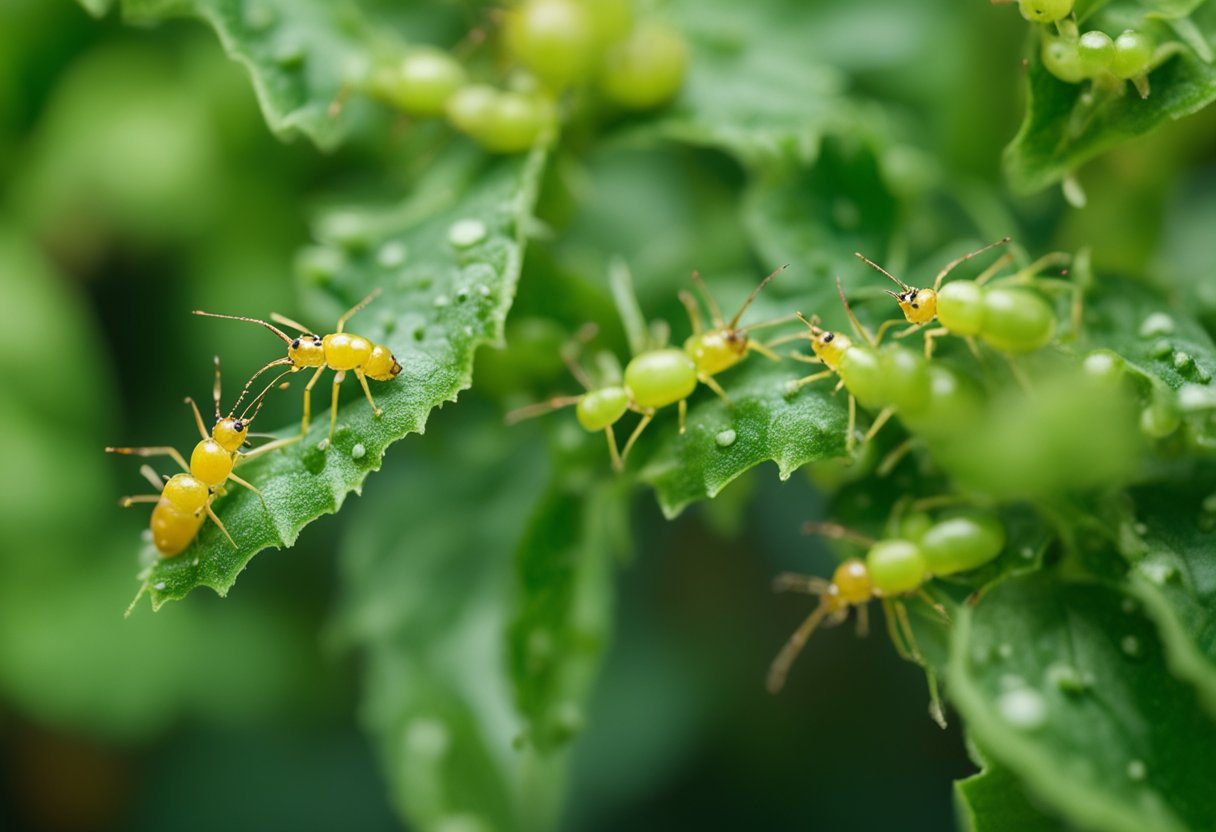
1006	314
184	500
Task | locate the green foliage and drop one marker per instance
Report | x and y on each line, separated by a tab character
450	256
477	578
301	55
1046	672
1067	125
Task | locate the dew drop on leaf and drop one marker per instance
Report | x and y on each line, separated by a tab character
392	254
358	452
465	233
726	438
1156	325
1023	708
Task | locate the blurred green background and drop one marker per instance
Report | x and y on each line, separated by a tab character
140	182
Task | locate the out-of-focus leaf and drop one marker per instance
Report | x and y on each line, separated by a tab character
1068	688
1158	341
994	801
97	8
1175	574
445	613
1060	132
563	607
67	657
300	54
754	89
447	260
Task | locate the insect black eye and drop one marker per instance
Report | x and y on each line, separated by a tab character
238	426
295	345
827	339
916	306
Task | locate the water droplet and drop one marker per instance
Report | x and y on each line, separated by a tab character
1156	325
1139	528
1023	708
159	585
1131	646
1136	770
1101	365
290	55
1160	349
1157	571
1128	606
358	452
726	438
1067	678
1027	552
426	737
319	264
465	233
1182	360
791	387
1193	398
442	301
484	291
391	254
347	229
468	331
323	445
462	294
1004	650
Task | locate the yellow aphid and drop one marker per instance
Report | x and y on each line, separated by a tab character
339	351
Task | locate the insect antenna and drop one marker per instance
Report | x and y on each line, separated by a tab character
735	320
261	398
714	309
253	378
874	265
861	331
570	351
837	532
215	390
540	408
271	327
350	313
954	264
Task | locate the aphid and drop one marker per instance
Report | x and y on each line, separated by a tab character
654	379
339	351
1009	317
186	497
725	344
893	568
889	380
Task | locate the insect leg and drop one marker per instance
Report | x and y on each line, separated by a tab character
339	377
617	464
756	346
198	419
217	522
780	668
863	620
694	314
150	476
893	630
127	502
795	386
930	335
883	417
260	450
359	374
159	450
248	485
806	584
633	437
712	384
850	439
990	272
308	398
683	411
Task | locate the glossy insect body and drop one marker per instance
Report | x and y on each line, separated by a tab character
652	380
892	567
725	344
1010	318
339	351
185	499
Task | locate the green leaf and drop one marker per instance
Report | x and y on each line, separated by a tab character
97	8
1067	686
448	260
482	611
301	55
754	88
1175	573
760	424
994	801
1060	132
564	612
